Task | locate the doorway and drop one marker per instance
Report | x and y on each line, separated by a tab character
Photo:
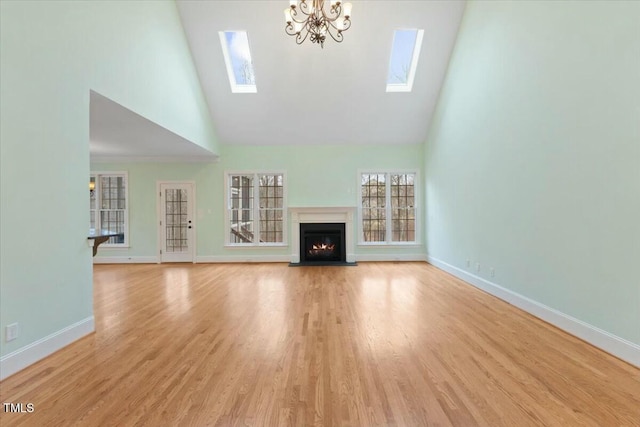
176	201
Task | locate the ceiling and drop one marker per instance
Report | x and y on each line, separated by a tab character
306	94
117	134
310	95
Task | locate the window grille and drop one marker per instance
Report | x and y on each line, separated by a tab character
241	209
387	208
374	207
260	196
271	197
403	214
108	206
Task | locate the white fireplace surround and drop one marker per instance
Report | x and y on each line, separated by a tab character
305	215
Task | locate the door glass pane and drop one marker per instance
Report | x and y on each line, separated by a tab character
176	223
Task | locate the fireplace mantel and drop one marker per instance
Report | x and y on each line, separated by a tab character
322	214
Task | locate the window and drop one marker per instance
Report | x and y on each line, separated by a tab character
388	207
108	206
252	196
237	57
404	60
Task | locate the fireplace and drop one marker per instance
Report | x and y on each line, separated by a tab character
322	243
314	219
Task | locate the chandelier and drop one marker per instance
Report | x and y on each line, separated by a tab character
308	18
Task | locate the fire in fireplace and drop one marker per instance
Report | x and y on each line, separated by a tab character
322	249
322	243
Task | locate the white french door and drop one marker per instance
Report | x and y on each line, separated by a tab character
176	202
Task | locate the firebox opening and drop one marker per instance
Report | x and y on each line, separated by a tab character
322	244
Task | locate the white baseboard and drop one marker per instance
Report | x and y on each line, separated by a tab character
31	353
243	258
287	258
255	258
619	347
125	260
390	257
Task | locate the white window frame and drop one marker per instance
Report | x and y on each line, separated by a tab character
388	226
235	86
96	175
256	209
408	86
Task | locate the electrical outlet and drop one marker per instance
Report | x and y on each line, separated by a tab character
468	263
11	332
492	272
478	267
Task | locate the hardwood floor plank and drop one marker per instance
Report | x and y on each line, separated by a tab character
383	344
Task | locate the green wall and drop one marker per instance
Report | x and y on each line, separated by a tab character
533	158
324	175
52	54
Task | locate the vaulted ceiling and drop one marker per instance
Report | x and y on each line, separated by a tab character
305	94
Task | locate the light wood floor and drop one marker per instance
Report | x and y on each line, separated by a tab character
391	344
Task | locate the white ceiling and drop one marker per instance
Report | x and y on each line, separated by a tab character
309	95
117	134
306	95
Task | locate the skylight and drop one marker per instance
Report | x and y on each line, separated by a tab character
237	57
404	60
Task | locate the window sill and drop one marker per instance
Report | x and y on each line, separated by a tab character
112	247
390	244
254	246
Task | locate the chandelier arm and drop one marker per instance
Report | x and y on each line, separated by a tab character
338	37
347	24
294	15
302	21
299	36
334	13
340	30
289	29
305	5
332	25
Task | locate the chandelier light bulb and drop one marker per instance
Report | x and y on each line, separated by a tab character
347	10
